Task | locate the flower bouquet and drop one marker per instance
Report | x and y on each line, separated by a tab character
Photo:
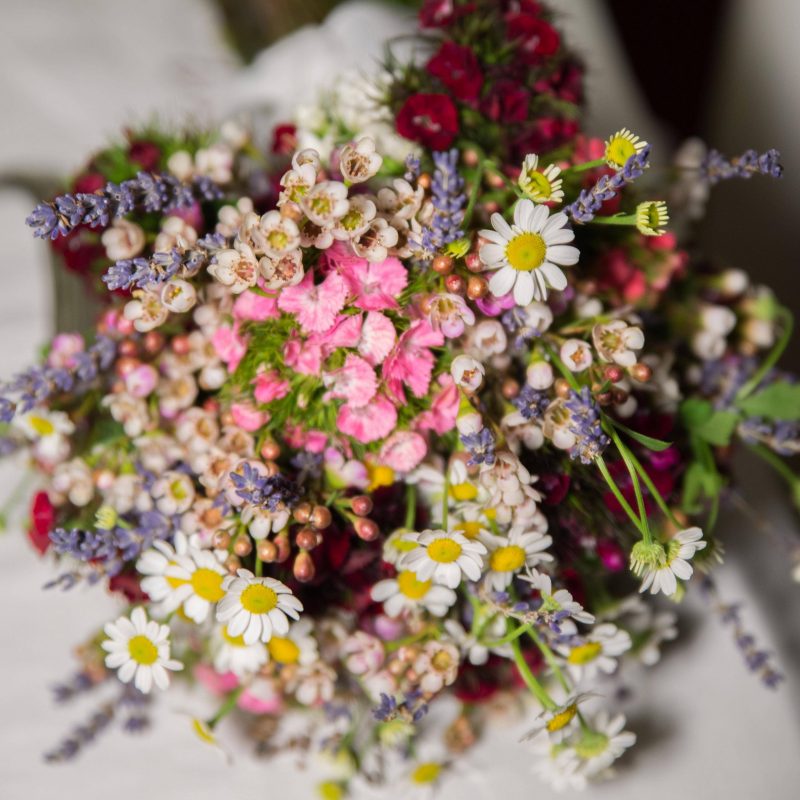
425	401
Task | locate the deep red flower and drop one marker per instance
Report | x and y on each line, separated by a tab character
284	139
430	119
565	83
478	683
611	555
89	182
507	101
441	13
43	517
537	40
145	153
554	486
79	249
458	69
543	135
127	584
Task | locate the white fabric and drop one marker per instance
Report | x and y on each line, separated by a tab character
72	73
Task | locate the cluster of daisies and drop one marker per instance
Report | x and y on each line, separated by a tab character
359	430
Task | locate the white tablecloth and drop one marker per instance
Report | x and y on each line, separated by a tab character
73	73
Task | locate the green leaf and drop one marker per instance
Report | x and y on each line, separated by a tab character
648	441
714	427
694	412
779	401
699	483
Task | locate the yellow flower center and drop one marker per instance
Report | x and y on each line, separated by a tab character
42	425
277	240
444	551
584	653
470	528
403	545
526	251
562	718
463	491
178	489
142	650
207	584
619	150
507	559
282	650
379	475
442	661
427	772
537	186
411	587
259	599
235	641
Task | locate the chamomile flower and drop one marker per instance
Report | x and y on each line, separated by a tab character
138	649
621	146
444	557
396	546
256	607
541	186
602	743
527	254
652	217
595	652
407	593
49	431
231	654
558	722
661	565
165	592
298	646
198	578
510	554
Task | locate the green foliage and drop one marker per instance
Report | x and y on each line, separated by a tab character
714	427
779	401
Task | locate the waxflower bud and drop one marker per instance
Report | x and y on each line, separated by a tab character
467	373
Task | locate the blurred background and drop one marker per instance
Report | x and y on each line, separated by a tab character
75	72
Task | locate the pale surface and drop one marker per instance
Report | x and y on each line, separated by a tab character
707	728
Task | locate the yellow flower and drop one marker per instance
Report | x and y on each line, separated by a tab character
542	186
651	217
621	146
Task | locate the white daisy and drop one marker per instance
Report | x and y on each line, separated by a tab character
444	557
526	254
541	186
621	146
472	644
165	592
198	578
559	603
597	651
602	743
661	565
48	429
231	654
560	721
139	649
407	593
255	607
510	554
298	647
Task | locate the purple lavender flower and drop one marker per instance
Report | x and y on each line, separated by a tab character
531	403
716	167
449	200
148	191
589	201
584	424
267	492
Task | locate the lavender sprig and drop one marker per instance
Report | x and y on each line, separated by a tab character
716	167
531	403
589	201
481	447
147	191
449	200
266	492
584	424
37	384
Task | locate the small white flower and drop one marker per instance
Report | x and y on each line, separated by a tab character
215	162
660	574
476	652
138	649
198	577
407	593
175	232
173	492
401	201
256	607
437	666
576	355
488	338
298	646
178	296
146	310
181	165
597	651
616	341
165	593
326	203
540	186
598	748
510	554
559	722
358	161
374	244
559	603
123	240
467	372
73	480
48	430
539	375
276	235
285	270
357	219
444	557
231	218
527	254
231	654
652	217
236	268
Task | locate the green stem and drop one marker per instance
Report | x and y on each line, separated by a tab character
562	368
637	488
769	362
510	637
550	658
587	165
617	219
655	494
411	506
445	499
473	195
778	464
228	705
259	566
601	465
536	688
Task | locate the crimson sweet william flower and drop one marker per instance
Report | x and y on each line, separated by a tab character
284	139
43	517
537	40
430	119
458	69
544	135
441	13
145	153
507	101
